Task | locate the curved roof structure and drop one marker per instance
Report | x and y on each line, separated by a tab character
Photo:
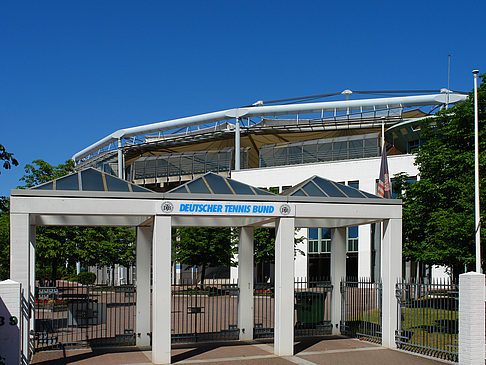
363	109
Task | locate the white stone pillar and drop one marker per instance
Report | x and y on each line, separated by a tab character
284	287
301	259
338	272
471	319
391	269
245	283
364	251
161	291
20	262
32	230
144	243
377	243
10	312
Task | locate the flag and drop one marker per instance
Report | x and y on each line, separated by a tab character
384	187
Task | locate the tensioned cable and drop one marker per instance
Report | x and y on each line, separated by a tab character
302	99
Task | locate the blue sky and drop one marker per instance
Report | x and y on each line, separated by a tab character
73	72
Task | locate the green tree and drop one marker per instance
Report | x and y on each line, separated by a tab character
40	172
92	246
116	247
53	244
438	210
4	239
204	247
7	158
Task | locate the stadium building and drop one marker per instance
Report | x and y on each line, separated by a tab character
278	144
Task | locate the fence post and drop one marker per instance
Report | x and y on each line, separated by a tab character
471	318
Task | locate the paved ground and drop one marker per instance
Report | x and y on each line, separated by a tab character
321	351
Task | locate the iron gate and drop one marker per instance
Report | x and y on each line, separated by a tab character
312	308
361	303
428	319
72	314
204	313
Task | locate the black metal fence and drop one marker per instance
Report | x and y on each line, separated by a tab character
312	308
204	313
72	314
361	303
428	318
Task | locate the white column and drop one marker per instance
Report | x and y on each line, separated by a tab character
161	295
301	259
10	311
20	271
245	283
237	145
120	159
364	251
338	272
391	269
471	318
32	230
284	287
377	242
144	241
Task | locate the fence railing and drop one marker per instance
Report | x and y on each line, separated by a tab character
428	318
204	313
361	303
312	315
73	314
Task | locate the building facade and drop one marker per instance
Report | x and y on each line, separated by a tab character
276	146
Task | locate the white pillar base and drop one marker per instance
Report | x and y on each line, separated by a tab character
471	319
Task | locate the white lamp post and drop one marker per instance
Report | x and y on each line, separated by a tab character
477	213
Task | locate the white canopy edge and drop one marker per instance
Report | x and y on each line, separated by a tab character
260	111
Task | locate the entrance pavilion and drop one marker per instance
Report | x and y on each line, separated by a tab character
93	198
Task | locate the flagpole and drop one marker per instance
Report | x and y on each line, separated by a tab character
382	133
477	213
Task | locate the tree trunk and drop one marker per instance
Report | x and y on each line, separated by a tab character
54	265
203	275
112	275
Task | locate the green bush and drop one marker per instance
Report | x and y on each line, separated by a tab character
86	277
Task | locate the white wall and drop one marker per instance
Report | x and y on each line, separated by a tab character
366	171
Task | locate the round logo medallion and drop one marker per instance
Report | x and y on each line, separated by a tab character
285	209
167	207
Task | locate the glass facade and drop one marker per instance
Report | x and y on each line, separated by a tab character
319	240
320	150
187	163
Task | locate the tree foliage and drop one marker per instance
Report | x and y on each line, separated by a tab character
4	239
438	210
40	172
7	158
59	248
204	247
